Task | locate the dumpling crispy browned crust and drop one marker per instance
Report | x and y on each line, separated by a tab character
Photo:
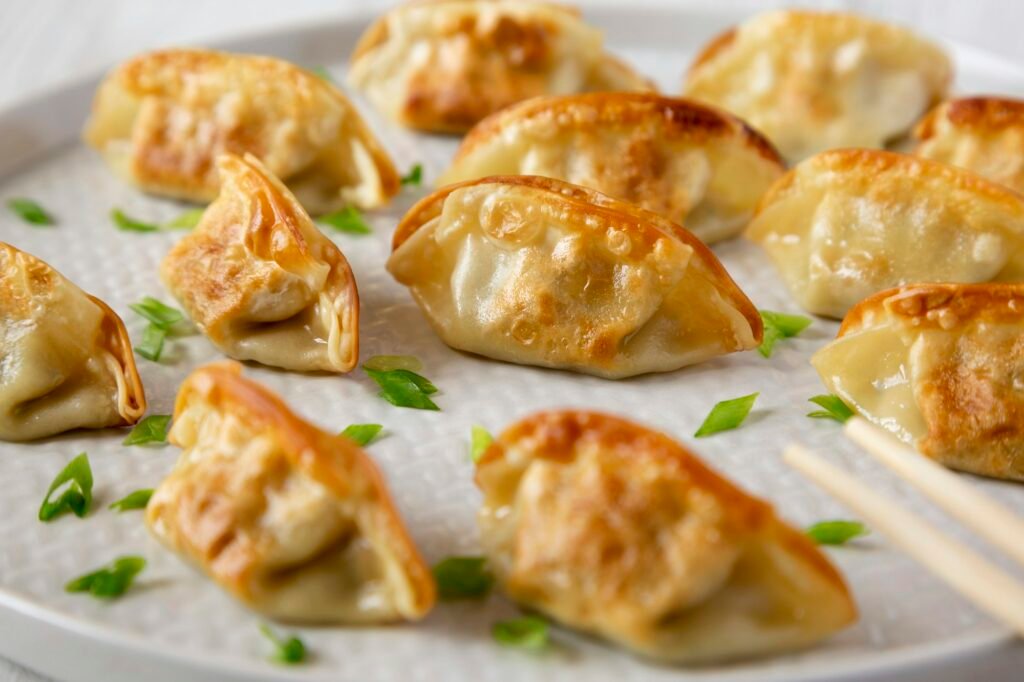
847	223
966	369
582	200
803	77
483	55
694	164
981	134
261	280
618	530
215	507
68	359
161	120
543	257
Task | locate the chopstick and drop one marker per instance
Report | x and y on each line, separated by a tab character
989	587
991	520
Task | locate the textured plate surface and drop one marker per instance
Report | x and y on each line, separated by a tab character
175	623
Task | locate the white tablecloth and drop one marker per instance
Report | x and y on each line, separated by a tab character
44	43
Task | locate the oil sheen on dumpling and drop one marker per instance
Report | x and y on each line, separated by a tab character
293	522
443	65
161	119
942	367
813	81
620	532
540	272
845	224
693	164
65	358
981	134
261	280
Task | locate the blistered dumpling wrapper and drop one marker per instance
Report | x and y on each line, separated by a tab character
161	120
261	281
540	272
620	532
295	523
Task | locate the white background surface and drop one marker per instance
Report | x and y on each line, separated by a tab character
44	43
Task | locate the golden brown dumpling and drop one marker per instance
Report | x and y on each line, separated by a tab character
293	522
65	358
442	65
540	272
617	530
813	81
847	223
261	280
695	165
161	119
981	134
941	366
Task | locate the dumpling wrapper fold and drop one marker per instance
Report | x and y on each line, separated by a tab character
162	119
982	134
942	367
540	272
848	223
443	65
295	523
617	530
65	357
813	81
261	280
695	165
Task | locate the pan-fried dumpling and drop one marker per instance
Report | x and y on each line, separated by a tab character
848	223
443	65
540	272
813	81
695	165
293	522
161	119
261	280
942	367
65	358
981	134
620	532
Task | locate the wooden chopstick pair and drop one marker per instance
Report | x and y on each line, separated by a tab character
989	587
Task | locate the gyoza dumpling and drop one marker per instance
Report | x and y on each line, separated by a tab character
813	81
981	134
619	531
695	165
847	223
941	366
261	280
161	120
65	358
293	522
442	65
540	272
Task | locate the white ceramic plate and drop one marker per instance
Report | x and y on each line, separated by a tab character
176	625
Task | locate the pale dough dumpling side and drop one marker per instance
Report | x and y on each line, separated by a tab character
813	81
845	224
161	119
695	165
261	280
939	365
519	270
67	359
618	531
443	65
981	134
295	523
